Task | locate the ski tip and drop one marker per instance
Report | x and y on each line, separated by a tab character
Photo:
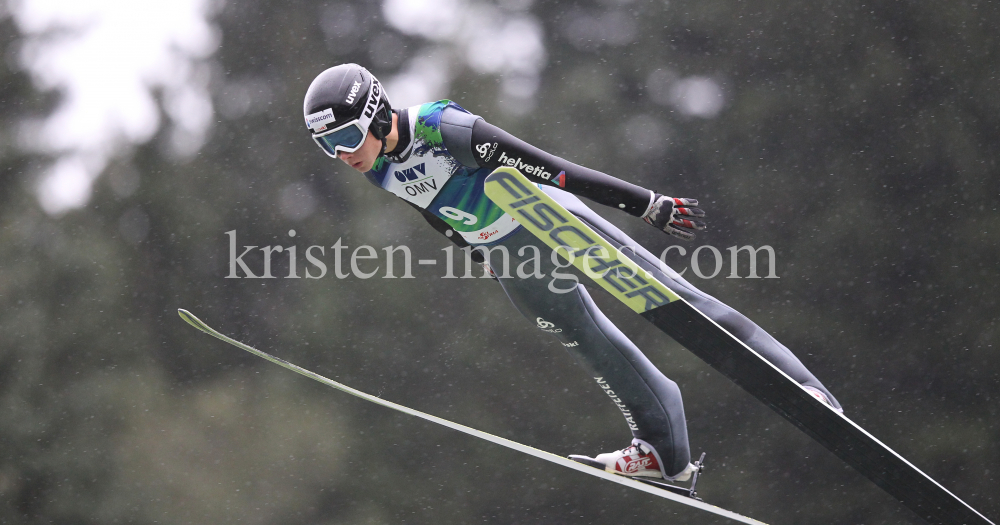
192	320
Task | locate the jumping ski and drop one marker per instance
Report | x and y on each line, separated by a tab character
663	490
627	281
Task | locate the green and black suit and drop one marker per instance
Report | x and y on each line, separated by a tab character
439	166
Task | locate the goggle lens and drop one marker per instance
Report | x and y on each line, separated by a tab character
348	138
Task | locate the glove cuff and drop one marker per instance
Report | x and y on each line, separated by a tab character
652	201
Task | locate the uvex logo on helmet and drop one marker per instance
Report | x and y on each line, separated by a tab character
373	97
353	93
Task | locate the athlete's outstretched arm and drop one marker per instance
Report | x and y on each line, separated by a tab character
492	147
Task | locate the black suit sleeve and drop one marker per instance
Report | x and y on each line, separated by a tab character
493	147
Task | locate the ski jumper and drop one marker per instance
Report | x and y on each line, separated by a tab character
439	166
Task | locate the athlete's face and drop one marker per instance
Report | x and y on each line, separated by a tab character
364	157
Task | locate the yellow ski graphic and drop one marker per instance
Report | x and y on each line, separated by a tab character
576	242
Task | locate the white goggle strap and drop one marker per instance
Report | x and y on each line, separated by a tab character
372	104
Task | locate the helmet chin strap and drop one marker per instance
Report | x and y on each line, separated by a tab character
380	135
382	151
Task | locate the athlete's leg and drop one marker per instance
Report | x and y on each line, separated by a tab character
736	323
650	402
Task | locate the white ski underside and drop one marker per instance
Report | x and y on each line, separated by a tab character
531	451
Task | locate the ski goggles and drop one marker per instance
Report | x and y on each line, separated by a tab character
347	138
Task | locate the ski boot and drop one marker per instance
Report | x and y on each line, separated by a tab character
633	461
638	462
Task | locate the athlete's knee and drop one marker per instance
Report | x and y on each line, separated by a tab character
736	324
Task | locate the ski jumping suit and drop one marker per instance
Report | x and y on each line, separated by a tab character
439	166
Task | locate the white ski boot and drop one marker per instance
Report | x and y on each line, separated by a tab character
635	461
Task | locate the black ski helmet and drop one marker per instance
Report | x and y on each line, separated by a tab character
346	94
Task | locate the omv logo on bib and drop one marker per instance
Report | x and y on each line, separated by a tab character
411	185
411	173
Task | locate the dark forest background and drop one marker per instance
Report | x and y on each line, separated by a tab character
858	138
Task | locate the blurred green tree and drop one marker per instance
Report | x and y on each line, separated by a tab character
859	139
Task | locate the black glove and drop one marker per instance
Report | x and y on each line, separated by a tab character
674	216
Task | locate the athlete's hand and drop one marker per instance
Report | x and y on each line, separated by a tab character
675	216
